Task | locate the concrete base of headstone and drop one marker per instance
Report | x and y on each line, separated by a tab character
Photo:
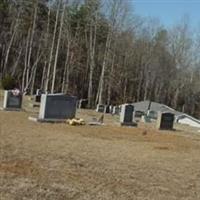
95	123
35	119
134	124
10	109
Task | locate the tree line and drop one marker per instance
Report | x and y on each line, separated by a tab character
99	50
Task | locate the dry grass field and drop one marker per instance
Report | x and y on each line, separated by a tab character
40	161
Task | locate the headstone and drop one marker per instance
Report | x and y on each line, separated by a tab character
38	95
145	119
139	114
152	114
120	108
83	103
38	98
126	115
111	109
115	110
39	92
12	99
165	121
107	109
57	106
100	108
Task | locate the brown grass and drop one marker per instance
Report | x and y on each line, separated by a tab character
61	162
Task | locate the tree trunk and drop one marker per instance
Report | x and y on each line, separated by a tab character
31	44
57	50
52	48
8	50
110	82
17	62
46	48
99	98
25	62
66	70
92	47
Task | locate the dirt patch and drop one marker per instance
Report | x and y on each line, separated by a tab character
162	148
19	168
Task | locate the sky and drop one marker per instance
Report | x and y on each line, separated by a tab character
169	11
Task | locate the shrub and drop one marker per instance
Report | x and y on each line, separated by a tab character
8	83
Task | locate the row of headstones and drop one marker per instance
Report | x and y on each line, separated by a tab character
165	120
115	110
53	106
61	106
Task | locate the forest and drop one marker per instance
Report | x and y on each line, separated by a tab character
99	50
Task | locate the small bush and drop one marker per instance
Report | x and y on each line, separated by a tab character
8	83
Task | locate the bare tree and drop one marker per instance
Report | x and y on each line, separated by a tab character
52	47
57	49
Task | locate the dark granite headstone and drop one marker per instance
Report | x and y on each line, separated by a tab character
38	95
126	115
38	98
107	109
165	121
12	100
57	106
83	103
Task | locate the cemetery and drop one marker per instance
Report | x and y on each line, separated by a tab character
130	147
99	100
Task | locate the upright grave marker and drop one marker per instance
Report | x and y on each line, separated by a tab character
56	108
165	121
12	100
116	110
83	103
100	108
152	114
107	109
38	95
111	108
126	115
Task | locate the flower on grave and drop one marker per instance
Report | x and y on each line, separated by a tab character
16	92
